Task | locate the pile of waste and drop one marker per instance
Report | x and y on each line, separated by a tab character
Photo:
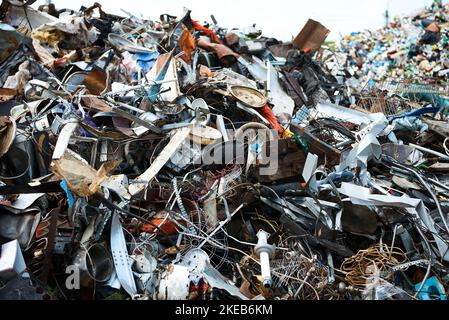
411	47
180	160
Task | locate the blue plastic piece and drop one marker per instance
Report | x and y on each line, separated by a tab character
154	89
337	177
431	286
419	112
146	60
65	187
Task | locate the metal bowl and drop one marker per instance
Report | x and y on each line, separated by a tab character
248	96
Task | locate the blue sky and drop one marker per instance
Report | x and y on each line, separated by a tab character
281	19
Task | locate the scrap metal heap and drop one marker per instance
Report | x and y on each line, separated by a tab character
175	159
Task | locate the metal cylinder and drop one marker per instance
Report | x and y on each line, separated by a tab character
265	266
264	251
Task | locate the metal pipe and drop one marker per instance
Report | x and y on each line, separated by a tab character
428	266
264	251
438	154
424	183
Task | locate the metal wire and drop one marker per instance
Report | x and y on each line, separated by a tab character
356	268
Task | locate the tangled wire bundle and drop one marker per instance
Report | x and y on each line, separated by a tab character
357	268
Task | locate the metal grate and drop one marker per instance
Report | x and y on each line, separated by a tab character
377	102
396	97
415	86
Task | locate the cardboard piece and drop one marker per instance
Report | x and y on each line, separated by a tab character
312	36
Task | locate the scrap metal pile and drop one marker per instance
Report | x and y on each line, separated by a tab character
173	159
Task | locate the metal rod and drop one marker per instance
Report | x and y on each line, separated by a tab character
438	154
221	225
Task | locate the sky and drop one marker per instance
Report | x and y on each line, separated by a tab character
281	19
